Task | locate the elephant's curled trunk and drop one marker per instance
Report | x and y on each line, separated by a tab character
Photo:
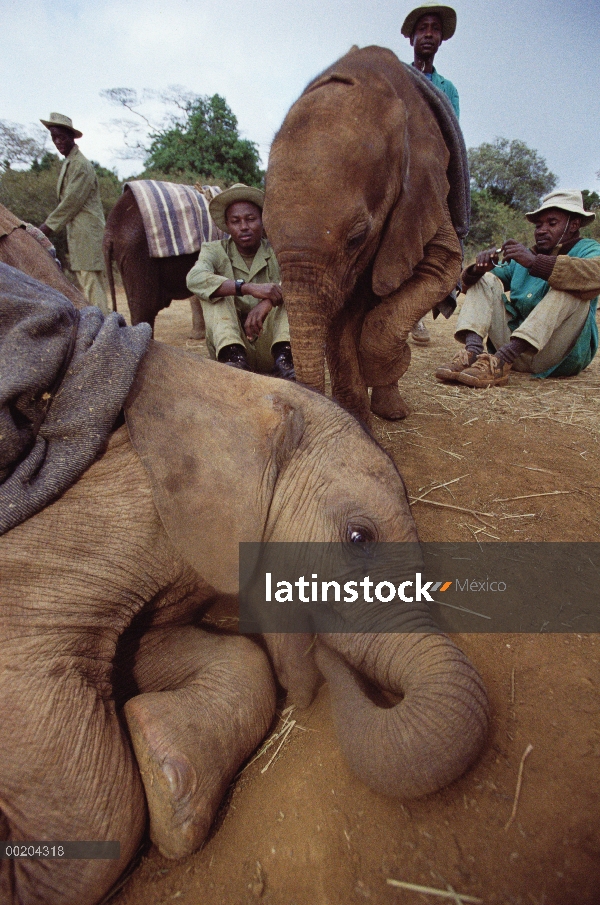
431	736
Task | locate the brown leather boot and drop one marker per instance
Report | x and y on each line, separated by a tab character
451	370
488	371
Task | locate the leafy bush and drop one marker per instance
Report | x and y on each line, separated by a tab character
31	195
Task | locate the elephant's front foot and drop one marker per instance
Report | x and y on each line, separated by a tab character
387	402
182	799
191	741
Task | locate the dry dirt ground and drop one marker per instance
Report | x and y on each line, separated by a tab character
298	829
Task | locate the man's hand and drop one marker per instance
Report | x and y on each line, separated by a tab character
270	291
256	318
514	251
486	260
45	229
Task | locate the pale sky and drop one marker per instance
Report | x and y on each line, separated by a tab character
524	69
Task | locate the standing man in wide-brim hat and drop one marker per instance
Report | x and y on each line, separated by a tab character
79	209
238	283
426	27
548	326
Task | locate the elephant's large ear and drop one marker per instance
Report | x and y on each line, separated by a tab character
212	440
420	206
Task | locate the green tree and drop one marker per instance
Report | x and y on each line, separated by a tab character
196	140
208	143
19	145
31	194
510	172
492	222
591	200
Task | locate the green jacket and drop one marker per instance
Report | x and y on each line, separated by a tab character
448	89
527	291
80	210
220	261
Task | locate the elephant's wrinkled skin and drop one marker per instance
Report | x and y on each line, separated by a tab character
97	605
19	249
150	284
356	211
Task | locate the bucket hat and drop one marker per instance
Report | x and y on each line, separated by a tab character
446	14
238	192
57	119
569	200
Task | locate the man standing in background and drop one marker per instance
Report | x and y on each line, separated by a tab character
80	210
426	27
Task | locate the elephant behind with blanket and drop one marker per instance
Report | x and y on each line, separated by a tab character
115	703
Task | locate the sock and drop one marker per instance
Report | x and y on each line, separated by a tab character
515	347
474	343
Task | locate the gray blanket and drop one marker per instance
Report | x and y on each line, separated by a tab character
64	375
459	196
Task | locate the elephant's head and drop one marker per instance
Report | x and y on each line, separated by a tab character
261	459
356	180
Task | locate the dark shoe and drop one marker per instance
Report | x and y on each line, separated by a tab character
235	356
461	360
284	363
488	371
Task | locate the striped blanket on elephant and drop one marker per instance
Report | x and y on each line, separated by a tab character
175	217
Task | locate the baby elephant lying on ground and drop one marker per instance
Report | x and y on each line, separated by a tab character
115	704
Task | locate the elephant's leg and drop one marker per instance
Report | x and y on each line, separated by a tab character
386	400
68	774
384	352
348	385
207	702
198	325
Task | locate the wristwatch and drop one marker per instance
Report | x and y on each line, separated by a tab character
238	286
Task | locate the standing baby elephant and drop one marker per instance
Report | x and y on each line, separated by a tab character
360	178
99	604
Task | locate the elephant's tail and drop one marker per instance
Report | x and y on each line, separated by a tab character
107	247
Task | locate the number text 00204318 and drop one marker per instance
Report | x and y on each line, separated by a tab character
62	850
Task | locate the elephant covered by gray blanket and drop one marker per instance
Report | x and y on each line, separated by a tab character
64	375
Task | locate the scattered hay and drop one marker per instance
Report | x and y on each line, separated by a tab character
526	754
280	734
447	893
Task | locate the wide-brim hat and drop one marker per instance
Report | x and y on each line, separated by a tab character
57	119
446	14
238	192
569	200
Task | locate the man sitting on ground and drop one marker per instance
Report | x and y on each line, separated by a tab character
548	327
237	281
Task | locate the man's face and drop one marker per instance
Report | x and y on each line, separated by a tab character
244	224
551	228
427	36
63	139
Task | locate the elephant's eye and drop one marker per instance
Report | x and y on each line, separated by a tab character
356	240
358	535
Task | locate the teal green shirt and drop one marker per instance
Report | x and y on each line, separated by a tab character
526	292
448	88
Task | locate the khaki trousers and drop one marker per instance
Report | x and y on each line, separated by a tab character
224	328
93	283
552	327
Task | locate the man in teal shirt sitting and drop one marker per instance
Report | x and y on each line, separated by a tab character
426	27
548	327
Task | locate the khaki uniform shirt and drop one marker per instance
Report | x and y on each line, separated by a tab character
220	261
80	210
